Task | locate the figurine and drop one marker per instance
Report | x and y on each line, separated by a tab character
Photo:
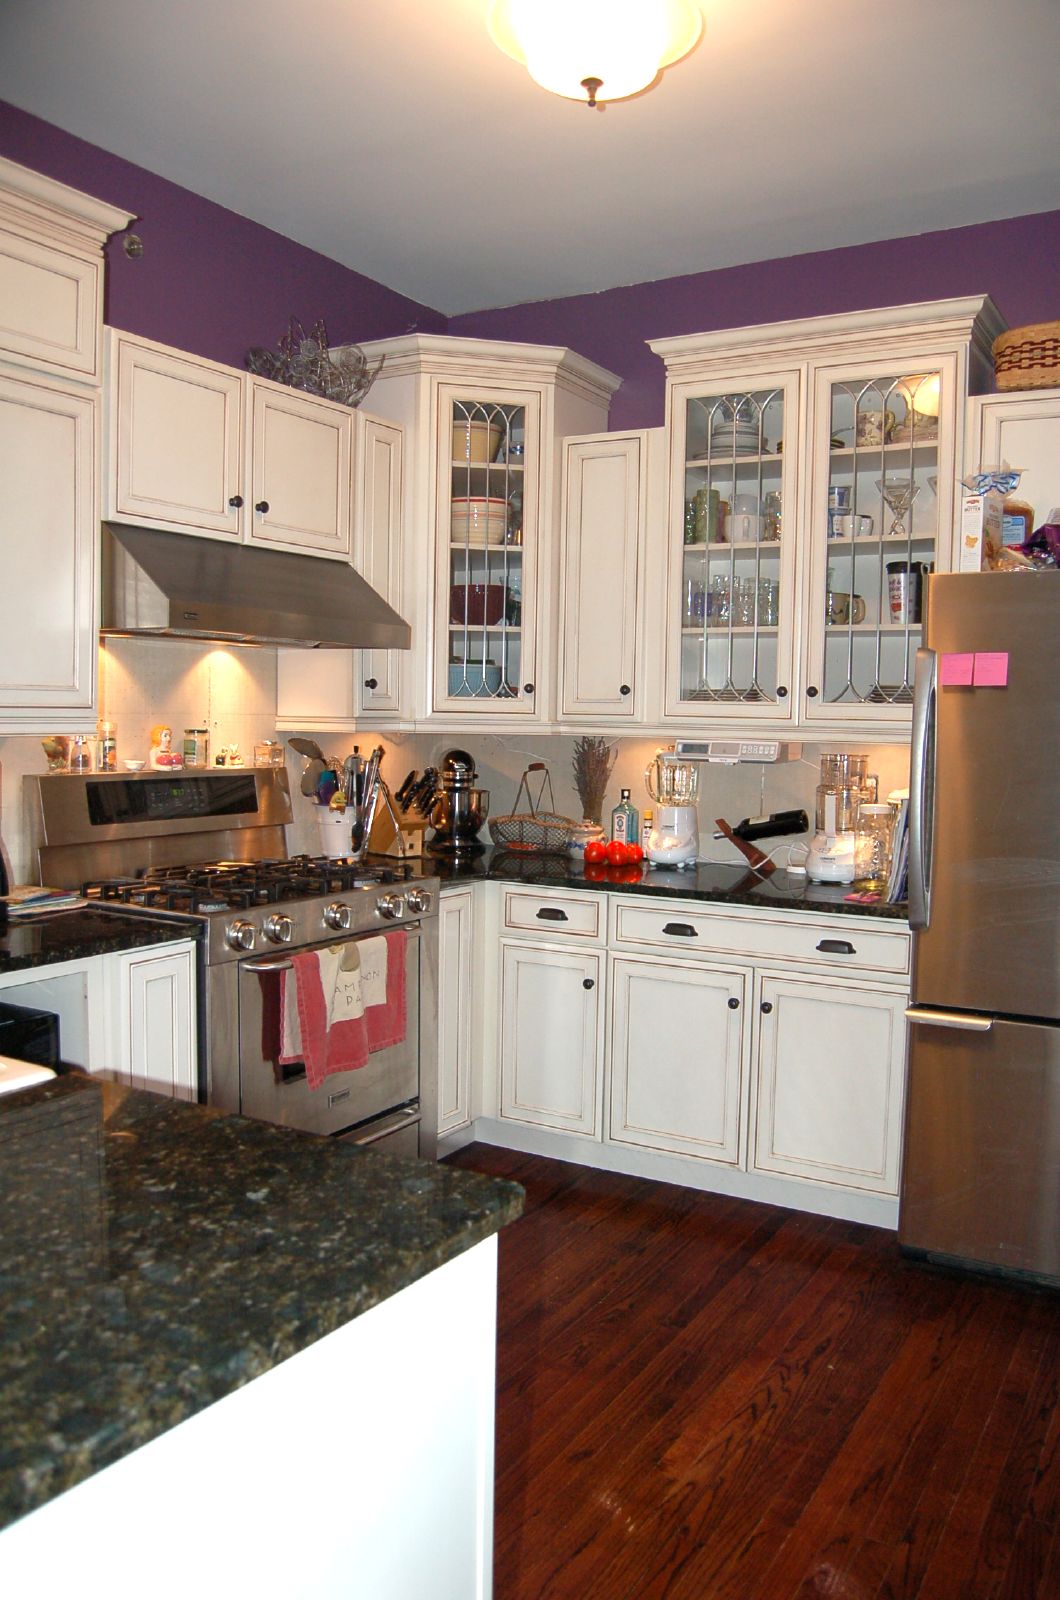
163	756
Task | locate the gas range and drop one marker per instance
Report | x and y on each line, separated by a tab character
289	901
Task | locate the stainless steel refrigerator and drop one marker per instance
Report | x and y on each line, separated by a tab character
981	1163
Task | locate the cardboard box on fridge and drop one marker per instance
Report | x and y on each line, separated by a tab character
980	533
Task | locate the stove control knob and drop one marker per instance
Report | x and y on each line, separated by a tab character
390	906
338	916
419	900
278	929
240	936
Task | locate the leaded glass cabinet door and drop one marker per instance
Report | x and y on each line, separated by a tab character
732	544
882	490
489	454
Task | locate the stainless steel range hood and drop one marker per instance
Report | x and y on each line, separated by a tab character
170	585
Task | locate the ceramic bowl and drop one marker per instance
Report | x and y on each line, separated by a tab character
476	604
475	520
134	766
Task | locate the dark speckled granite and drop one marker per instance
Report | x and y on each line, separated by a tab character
82	931
727	885
155	1256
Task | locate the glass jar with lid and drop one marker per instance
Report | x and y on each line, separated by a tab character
875	830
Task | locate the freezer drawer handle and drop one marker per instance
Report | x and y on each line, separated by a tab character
837	947
682	930
950	1019
552	914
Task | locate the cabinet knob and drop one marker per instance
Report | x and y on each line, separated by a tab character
262	506
528	688
812	692
236	501
624	689
733	1003
371	683
588	983
782	691
767	1006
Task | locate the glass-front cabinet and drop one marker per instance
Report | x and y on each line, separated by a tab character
882	492
488	529
731	597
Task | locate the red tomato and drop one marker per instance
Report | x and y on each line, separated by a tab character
618	853
636	852
596	850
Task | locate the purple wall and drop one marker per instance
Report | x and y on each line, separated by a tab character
1014	261
209	281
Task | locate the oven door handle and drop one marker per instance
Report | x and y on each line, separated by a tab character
278	964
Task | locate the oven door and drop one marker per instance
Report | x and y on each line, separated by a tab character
376	1103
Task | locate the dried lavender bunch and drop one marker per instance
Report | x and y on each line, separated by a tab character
593	761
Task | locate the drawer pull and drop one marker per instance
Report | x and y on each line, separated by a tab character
588	983
681	930
552	914
837	947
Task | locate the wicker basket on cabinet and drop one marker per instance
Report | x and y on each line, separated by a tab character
1028	358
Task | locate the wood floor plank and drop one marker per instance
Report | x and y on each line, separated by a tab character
701	1398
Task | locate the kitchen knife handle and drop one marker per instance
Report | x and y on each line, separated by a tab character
922	787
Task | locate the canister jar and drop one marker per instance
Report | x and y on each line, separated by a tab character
196	747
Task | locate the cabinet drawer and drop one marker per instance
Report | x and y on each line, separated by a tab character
572	916
695	929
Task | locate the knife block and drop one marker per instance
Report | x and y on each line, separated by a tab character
383	839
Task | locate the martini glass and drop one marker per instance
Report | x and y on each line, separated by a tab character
899	494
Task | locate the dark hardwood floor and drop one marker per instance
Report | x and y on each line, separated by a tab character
700	1397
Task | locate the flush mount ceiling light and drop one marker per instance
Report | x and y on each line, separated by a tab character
595	50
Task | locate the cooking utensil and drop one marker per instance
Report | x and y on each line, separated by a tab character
307	747
314	771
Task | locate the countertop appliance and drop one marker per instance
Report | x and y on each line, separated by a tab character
210	848
673	784
981	1170
834	847
458	809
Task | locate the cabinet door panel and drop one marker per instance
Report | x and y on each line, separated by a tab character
602	533
301	471
377	555
154	1009
455	1008
176	446
49	307
831	1080
551	1049
48	530
676	1057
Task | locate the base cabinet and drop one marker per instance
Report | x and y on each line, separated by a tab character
456	924
551	1045
830	1078
677	1056
150	1034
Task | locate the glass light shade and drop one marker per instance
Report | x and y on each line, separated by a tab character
623	43
922	393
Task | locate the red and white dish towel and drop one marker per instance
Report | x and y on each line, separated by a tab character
341	1004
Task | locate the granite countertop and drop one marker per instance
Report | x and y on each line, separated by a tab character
156	1255
708	881
41	938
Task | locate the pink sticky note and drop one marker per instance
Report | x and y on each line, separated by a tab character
991	669
955	669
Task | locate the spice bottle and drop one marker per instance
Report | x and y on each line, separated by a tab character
106	747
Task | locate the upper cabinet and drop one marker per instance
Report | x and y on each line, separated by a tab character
1022	428
812	479
200	448
484	421
51	297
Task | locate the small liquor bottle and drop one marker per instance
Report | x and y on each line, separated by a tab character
625	824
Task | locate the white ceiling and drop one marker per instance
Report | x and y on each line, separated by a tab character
393	136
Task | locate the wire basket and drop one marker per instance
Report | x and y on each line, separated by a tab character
1028	358
545	832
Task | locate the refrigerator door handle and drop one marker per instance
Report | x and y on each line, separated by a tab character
922	787
949	1019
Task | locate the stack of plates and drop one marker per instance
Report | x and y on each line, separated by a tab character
738	439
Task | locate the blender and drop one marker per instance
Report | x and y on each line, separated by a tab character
844	785
672	784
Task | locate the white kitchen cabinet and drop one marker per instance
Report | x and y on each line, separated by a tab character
1022	428
483	422
49	528
602	541
830	1081
677	1059
199	448
378	555
456	1007
51	274
551	1038
151	1018
777	613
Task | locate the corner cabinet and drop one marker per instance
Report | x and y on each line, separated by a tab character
51	302
484	421
812	478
